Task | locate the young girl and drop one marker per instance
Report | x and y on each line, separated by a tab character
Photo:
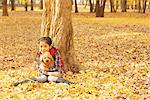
52	74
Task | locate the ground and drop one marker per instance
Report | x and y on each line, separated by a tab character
114	53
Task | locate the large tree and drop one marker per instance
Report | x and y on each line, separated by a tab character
100	7
5	11
57	23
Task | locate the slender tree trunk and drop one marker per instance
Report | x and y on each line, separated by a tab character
32	5
5	11
76	6
12	5
124	5
139	6
26	6
86	3
144	5
57	23
117	5
91	6
41	4
112	6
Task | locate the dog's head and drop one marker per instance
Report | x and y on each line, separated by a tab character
47	60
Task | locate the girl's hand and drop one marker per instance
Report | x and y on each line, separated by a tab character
57	74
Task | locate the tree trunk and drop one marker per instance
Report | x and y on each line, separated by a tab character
72	2
91	6
100	7
112	8
86	3
26	6
57	23
41	4
117	5
144	5
32	5
12	5
124	5
5	11
97	8
139	6
76	6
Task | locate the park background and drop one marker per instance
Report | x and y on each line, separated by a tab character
113	52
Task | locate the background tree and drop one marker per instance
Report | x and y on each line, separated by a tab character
32	5
26	5
139	6
117	5
112	8
41	4
91	6
124	5
144	5
12	4
100	7
97	8
76	6
57	23
5	11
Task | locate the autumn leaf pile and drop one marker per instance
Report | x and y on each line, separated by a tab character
114	53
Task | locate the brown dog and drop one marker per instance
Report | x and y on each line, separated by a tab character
47	61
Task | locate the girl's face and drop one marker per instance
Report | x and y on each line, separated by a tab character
44	47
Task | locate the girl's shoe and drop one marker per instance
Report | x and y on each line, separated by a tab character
62	80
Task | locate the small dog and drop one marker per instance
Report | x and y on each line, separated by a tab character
47	61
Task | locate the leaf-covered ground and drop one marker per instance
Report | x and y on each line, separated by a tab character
114	53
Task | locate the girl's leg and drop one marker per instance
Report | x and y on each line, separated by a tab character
62	80
41	78
52	78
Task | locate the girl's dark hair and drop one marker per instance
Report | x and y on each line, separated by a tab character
48	40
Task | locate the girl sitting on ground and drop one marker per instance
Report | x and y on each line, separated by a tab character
52	74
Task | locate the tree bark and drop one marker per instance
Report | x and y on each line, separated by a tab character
5	11
76	6
32	5
124	5
57	23
12	5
